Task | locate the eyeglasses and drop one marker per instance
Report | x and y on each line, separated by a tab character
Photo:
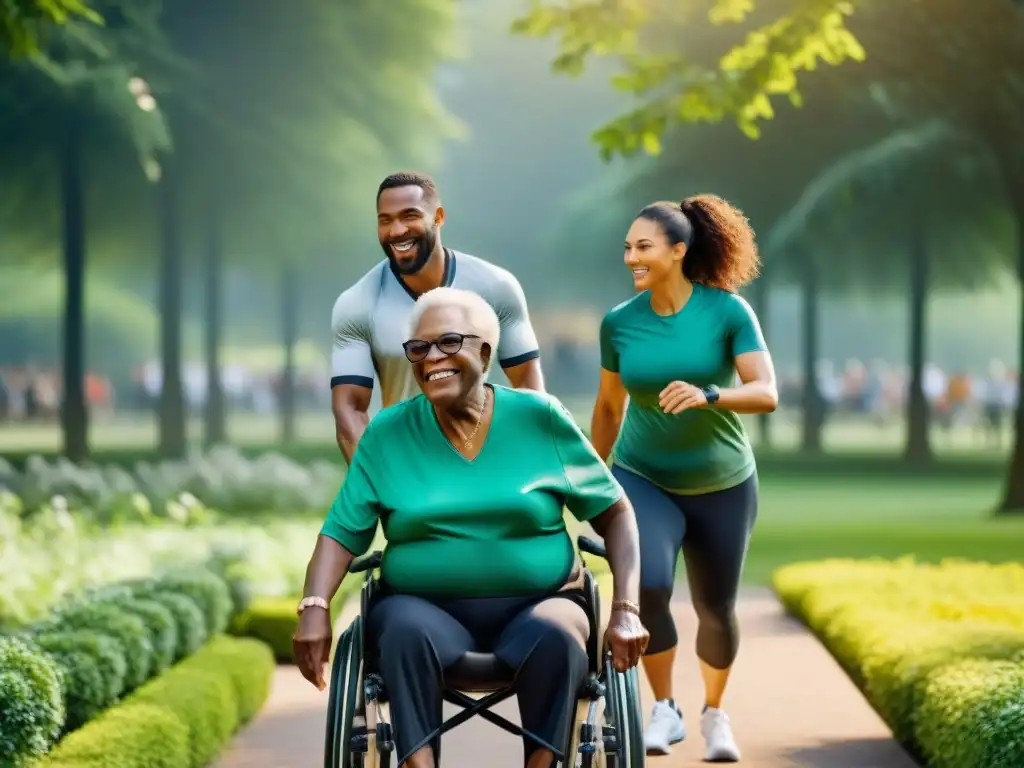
447	344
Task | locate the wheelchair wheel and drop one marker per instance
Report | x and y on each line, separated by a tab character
623	712
343	700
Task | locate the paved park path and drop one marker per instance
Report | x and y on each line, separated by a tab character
790	704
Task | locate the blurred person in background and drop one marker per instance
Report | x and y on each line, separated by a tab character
370	318
997	401
679	448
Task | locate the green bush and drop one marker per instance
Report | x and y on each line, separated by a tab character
972	715
105	652
273	620
86	689
127	629
205	589
31	702
161	626
933	647
188	620
179	720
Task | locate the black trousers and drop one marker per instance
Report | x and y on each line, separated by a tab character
713	531
544	638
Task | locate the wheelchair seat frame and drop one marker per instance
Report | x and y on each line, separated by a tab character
359	736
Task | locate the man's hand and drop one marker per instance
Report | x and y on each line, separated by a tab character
311	644
680	396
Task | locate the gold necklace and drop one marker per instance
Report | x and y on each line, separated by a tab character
469	440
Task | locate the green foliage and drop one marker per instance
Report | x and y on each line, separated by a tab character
128	630
674	87
159	622
94	671
179	720
23	22
204	588
931	181
81	93
188	620
30	701
936	649
971	715
273	620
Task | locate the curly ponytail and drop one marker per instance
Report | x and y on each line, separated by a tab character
720	247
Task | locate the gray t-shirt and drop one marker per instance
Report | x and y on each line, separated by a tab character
370	322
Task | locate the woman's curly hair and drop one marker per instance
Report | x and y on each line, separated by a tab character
721	251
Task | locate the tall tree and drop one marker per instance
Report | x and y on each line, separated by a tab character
273	147
915	212
75	129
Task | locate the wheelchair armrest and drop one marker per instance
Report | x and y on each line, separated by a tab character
591	547
367	562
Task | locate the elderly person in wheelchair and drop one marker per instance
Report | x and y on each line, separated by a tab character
469	481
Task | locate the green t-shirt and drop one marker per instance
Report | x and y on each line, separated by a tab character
697	451
492	526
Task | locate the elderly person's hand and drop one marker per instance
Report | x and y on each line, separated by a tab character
311	645
626	638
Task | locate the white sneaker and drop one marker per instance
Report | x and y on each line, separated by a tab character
665	728
717	731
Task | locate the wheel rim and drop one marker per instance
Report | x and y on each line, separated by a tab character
336	736
634	717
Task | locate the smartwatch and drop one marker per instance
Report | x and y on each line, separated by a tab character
710	394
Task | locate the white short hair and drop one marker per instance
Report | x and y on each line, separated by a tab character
480	316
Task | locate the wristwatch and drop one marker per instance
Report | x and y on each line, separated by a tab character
711	394
306	602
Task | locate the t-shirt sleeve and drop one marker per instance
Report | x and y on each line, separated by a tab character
590	487
518	341
352	519
351	359
746	335
609	355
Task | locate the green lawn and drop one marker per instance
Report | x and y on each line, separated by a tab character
933	518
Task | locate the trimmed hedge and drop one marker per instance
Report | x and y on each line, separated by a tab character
181	719
273	620
938	650
31	703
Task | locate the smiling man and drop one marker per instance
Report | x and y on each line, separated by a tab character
370	319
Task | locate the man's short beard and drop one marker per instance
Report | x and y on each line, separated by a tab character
425	245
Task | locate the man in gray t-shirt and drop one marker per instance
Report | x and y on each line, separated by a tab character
370	318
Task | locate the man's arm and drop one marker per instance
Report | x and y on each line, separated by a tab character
351	372
351	405
518	350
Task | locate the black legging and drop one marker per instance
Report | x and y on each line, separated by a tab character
713	531
545	639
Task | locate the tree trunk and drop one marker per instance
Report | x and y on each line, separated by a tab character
761	294
74	413
215	421
289	333
1013	496
813	402
918	446
172	417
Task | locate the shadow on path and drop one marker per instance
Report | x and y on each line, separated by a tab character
851	753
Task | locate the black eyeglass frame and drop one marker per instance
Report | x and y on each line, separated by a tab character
447	344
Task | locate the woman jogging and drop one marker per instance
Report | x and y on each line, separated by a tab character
680	450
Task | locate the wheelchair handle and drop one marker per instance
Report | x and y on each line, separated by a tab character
366	562
591	547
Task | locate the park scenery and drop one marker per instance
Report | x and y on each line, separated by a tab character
186	187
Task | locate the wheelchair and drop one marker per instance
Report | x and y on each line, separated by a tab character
606	732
